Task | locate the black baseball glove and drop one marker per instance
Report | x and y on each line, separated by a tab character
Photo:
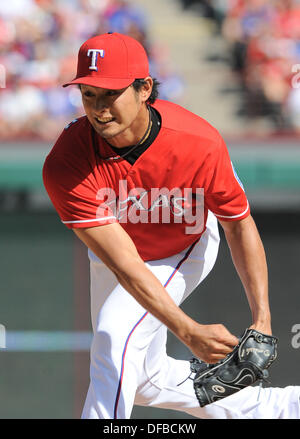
246	364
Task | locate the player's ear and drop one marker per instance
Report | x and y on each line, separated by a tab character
146	89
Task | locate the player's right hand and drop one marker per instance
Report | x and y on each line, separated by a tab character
211	343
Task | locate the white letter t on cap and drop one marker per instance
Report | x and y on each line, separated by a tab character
95	53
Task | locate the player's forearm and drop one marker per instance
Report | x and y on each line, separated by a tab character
249	258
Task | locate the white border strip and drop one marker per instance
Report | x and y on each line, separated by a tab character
90	220
48	341
234	216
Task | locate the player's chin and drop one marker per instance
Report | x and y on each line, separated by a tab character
106	130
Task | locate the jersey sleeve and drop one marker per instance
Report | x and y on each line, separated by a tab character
224	193
77	191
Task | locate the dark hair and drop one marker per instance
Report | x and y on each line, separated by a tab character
138	84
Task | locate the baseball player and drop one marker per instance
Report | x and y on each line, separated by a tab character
143	183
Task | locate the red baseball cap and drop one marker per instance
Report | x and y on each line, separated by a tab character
111	61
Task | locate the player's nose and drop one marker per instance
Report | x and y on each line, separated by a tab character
100	104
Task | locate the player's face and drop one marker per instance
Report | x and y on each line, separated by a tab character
119	116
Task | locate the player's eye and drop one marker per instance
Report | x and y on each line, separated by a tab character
88	94
113	92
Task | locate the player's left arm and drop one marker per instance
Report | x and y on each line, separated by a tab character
249	258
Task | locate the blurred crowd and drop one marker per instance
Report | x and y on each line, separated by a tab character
39	42
263	37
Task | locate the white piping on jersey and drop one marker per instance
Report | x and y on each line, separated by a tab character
90	220
234	216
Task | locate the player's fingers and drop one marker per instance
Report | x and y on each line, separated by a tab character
216	352
220	351
224	336
231	341
225	344
223	350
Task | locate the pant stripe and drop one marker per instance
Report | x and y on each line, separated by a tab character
122	368
181	262
139	321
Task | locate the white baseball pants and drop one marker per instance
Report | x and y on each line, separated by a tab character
129	363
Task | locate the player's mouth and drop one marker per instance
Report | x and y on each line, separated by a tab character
104	120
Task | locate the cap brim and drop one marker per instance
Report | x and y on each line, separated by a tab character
109	83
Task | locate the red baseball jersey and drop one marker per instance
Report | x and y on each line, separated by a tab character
162	200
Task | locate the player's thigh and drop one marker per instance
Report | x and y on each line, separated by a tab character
120	323
203	257
183	272
112	305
